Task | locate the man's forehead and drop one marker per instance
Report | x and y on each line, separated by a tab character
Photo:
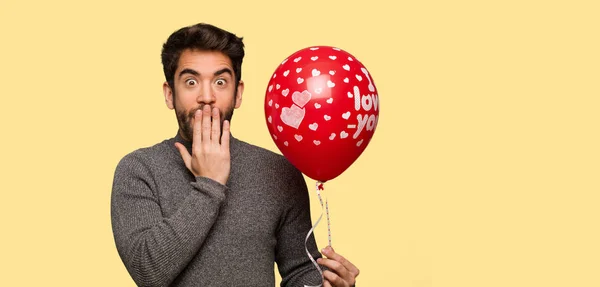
203	61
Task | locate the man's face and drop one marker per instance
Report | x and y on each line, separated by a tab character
202	78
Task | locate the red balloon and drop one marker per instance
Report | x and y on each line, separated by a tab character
322	109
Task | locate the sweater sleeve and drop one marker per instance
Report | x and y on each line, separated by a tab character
295	267
154	248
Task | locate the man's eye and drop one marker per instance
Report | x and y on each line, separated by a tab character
220	82
191	82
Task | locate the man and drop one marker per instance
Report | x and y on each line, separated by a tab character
204	208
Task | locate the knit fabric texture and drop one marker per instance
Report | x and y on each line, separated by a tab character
174	229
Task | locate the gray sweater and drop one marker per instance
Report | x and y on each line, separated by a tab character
174	229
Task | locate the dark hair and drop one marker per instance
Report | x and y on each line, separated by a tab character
202	36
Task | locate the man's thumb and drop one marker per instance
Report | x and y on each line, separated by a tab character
185	155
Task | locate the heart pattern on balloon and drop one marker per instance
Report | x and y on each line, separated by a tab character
301	99
292	116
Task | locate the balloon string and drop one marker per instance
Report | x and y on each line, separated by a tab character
319	186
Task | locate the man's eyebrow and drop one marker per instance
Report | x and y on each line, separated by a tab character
224	70
188	71
195	73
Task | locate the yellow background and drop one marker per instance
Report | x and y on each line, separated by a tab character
483	171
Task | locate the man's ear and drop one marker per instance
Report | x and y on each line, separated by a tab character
238	96
168	92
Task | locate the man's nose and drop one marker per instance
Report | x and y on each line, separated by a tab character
207	95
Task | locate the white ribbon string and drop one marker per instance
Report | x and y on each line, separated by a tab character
319	185
328	221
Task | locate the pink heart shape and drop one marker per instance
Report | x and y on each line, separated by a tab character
301	99
292	116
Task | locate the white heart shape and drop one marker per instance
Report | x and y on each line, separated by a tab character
285	143
318	90
346	80
359	78
332	136
280	128
297	59
350	59
274	75
270	119
315	72
317	105
346	115
314	58
316	142
330	100
314	48
292	116
337	49
277	87
332	72
270	103
276	106
270	88
301	99
298	137
287	72
346	67
300	80
285	92
350	95
330	84
343	135
313	126
327	117
332	57
359	142
298	70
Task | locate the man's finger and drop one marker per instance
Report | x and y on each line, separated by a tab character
334	279
206	114
330	253
216	126
197	136
225	137
326	283
185	155
335	266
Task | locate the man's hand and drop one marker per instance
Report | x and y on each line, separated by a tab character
210	158
341	273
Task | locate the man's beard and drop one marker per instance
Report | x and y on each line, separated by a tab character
186	120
